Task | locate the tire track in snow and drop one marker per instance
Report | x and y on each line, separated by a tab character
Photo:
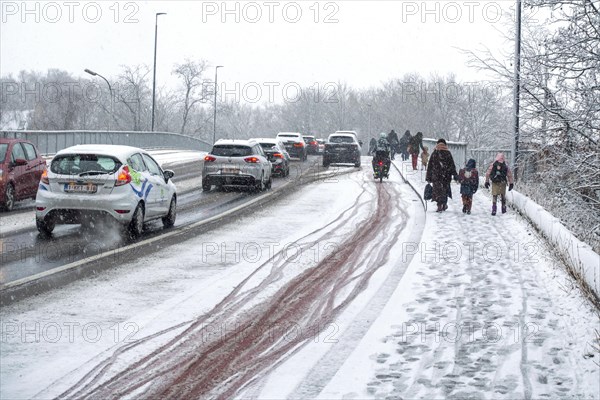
189	366
329	363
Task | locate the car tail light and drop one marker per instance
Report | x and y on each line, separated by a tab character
298	144
210	158
314	143
380	162
122	211
40	208
252	160
124	176
278	155
44	178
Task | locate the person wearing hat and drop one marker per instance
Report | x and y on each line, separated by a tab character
440	171
382	153
392	138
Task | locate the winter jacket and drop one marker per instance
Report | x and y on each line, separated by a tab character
404	142
468	178
382	145
372	146
392	138
500	158
424	157
415	143
440	170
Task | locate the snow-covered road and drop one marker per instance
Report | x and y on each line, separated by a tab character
340	290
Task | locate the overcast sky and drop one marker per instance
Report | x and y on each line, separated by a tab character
362	43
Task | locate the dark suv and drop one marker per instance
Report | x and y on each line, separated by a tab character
21	167
342	148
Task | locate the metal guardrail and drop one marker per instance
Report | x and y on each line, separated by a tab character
485	157
50	142
458	150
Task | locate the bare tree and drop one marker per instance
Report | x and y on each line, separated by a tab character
190	73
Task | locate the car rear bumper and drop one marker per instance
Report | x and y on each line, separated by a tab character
296	152
229	180
74	208
350	158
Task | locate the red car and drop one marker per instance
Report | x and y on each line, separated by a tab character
21	167
311	144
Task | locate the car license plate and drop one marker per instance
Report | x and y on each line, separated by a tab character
80	188
230	171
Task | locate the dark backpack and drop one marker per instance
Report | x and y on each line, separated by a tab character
499	172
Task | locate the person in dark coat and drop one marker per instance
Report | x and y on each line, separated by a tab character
414	146
392	139
372	146
403	145
440	170
468	178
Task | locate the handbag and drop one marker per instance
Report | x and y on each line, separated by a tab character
428	194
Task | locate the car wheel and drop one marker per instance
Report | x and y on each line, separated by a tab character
169	219
136	226
206	186
269	183
260	184
45	226
325	164
357	164
9	198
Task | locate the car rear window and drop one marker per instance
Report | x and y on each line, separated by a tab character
291	136
231	150
3	150
341	139
267	146
76	164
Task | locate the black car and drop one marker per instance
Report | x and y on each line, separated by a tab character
277	155
341	149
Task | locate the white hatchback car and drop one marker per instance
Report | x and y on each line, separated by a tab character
86	182
236	163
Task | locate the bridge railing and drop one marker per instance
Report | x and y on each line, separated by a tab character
458	150
50	142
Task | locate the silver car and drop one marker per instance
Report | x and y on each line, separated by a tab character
122	183
236	163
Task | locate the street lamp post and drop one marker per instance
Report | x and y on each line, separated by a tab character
517	90
154	74
368	105
89	71
215	106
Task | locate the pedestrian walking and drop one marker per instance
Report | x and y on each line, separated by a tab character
424	158
501	175
392	139
372	146
440	171
415	145
468	178
403	145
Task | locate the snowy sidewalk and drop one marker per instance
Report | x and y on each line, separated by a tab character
483	311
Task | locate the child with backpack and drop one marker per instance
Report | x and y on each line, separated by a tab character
501	176
424	158
468	178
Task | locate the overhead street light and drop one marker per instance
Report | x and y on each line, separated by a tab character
154	73
89	71
517	91
215	106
